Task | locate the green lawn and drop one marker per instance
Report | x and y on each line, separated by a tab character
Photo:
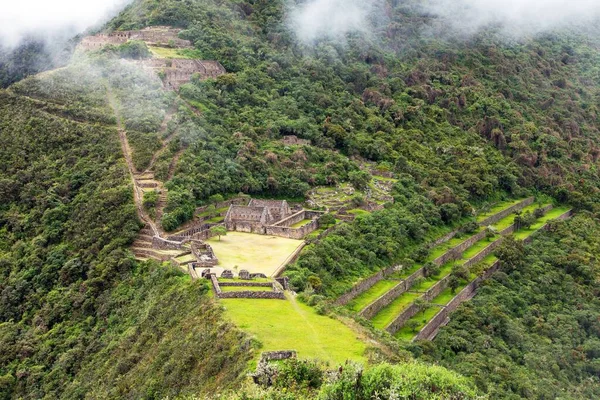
389	313
477	247
261	280
372	294
246	289
406	333
358	211
290	325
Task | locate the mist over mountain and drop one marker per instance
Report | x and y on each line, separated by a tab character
300	200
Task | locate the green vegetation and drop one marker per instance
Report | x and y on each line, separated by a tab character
389	313
288	324
532	331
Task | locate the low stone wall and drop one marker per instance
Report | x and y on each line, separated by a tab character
284	282
247	284
364	285
291	220
292	233
505	213
204	254
252	295
277	355
562	217
164	244
436	289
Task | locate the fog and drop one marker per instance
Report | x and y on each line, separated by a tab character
514	17
312	20
50	19
333	19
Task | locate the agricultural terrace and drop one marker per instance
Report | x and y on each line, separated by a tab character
281	325
419	287
254	253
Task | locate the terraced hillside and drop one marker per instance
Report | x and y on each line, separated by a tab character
408	298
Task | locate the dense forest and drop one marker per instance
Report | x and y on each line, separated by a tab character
462	123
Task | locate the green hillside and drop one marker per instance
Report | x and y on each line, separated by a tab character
402	136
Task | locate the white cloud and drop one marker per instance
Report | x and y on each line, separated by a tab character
316	19
47	18
515	17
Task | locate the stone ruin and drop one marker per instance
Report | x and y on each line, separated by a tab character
244	274
227	274
176	71
204	254
270	217
179	71
293	140
161	36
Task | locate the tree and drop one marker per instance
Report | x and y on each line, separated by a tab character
453	283
430	269
218	230
412	324
326	220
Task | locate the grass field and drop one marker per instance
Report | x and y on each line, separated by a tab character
290	325
255	253
550	215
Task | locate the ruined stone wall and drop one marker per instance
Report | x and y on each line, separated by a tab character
277	355
486	251
505	213
292	233
247	284
292	219
164	244
252	295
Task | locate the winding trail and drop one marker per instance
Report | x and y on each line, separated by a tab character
138	193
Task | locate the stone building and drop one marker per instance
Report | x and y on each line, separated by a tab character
271	217
161	36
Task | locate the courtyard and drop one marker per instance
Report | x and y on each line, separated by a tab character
255	253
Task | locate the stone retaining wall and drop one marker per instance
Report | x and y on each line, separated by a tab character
364	285
455	253
246	284
383	301
163	244
505	213
252	295
485	252
430	330
401	319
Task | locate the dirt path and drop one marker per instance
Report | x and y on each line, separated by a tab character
138	193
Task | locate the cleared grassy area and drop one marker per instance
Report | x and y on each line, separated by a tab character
371	295
301	223
255	253
497	208
290	325
422	318
167	52
214	212
389	313
246	289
